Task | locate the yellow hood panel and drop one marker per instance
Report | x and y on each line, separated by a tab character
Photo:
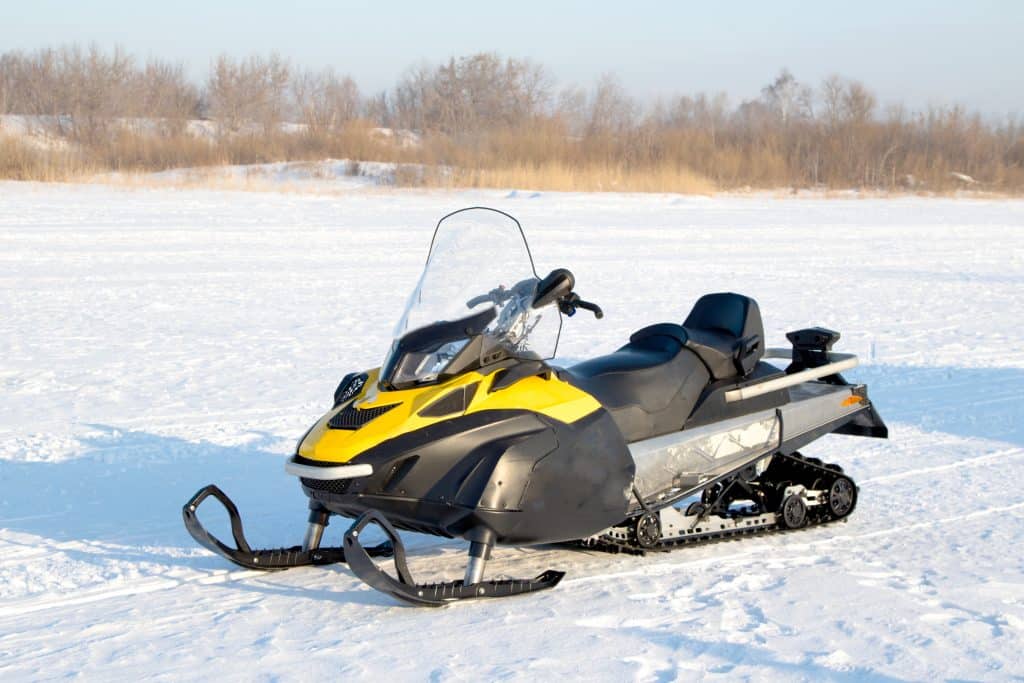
551	397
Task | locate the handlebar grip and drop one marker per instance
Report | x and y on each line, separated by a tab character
594	308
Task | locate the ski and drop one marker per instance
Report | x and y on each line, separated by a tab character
404	588
261	559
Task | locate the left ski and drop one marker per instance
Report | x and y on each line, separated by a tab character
270	559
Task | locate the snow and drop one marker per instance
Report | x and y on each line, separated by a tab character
328	175
155	340
43	131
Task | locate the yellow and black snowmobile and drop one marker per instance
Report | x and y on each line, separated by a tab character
684	434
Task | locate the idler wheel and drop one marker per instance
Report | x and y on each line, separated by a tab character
648	530
793	513
842	496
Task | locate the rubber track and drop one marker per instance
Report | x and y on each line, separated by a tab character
816	516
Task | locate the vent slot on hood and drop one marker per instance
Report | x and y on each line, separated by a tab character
354	418
455	401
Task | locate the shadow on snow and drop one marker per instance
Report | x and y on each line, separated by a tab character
125	493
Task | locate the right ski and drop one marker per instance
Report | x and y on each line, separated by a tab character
433	594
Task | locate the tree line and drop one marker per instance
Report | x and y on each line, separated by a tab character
482	114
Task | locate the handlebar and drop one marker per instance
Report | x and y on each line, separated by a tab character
567	304
477	300
501	293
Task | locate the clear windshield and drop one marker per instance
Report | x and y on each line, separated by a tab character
478	261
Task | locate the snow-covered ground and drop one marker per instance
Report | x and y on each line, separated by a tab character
152	341
318	177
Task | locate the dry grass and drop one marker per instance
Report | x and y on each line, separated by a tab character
496	162
133	152
20	160
485	121
543	158
562	177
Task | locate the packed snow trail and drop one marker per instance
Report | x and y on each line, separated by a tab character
152	341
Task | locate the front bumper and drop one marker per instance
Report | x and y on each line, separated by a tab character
327	472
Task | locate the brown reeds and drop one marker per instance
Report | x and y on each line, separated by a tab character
483	121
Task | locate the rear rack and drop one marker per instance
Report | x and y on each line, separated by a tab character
811	359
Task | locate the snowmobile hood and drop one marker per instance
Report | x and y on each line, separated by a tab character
375	415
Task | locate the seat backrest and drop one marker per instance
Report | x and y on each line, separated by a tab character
733	314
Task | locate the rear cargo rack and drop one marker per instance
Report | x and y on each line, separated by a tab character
837	362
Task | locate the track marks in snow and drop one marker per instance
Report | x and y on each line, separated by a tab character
996	458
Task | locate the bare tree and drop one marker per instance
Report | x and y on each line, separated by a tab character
611	110
324	99
485	112
378	108
858	103
253	90
832	99
164	91
787	98
471	94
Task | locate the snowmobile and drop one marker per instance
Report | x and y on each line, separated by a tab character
467	430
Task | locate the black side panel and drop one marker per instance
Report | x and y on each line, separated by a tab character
525	477
711	407
578	489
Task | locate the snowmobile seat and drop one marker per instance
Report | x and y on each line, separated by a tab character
726	332
649	386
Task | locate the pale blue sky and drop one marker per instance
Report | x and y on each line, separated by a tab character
941	52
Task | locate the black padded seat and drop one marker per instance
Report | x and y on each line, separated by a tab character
726	332
649	386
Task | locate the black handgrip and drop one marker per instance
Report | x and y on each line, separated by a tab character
571	301
592	307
